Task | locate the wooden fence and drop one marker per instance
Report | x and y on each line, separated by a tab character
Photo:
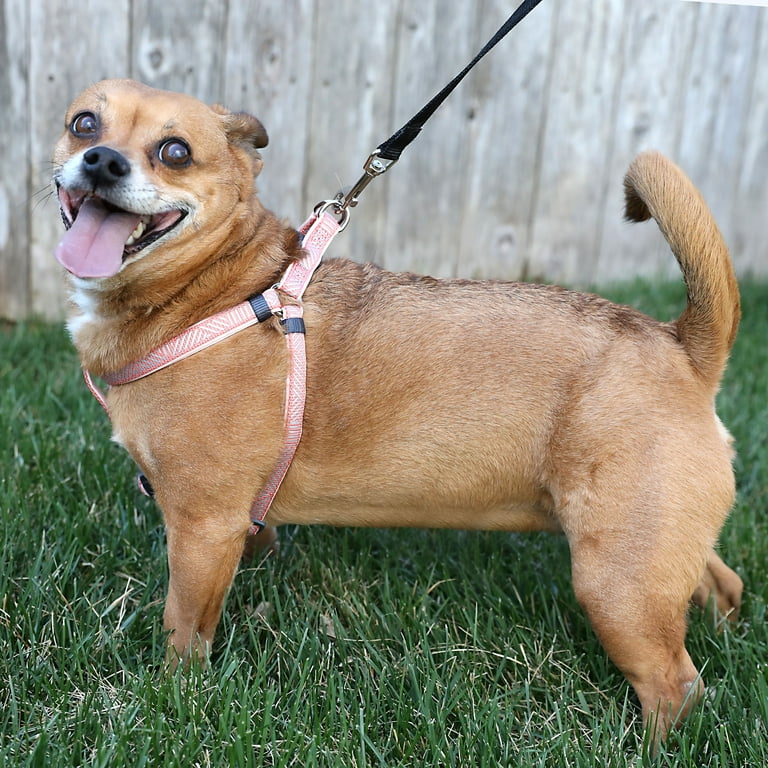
518	176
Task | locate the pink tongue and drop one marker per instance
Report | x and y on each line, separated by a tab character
93	245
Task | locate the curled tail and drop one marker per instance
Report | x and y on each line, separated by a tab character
654	186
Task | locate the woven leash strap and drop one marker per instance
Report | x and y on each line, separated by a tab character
392	148
388	152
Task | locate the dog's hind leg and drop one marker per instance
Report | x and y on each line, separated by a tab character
637	605
722	585
202	560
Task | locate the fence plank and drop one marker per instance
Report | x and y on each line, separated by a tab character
268	72
589	57
749	245
424	190
718	107
178	46
63	63
649	94
518	174
506	107
354	76
14	166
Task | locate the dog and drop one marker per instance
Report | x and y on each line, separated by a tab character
430	403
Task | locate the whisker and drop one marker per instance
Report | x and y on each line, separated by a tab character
41	197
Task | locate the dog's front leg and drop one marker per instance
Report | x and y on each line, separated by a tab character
202	559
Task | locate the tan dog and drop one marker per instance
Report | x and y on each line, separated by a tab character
436	403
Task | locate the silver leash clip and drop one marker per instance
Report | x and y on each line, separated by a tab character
374	166
349	197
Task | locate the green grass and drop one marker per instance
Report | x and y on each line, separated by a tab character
354	647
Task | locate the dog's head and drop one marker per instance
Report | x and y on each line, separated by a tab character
140	170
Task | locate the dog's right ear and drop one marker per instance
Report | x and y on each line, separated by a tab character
243	129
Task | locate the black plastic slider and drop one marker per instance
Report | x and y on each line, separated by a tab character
293	325
260	307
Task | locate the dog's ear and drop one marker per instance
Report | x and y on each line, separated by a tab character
243	129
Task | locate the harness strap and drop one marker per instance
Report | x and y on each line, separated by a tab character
95	391
318	232
198	337
295	397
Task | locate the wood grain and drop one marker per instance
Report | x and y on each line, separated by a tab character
517	176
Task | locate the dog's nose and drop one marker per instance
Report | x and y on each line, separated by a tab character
105	165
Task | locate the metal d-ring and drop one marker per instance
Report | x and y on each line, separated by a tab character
342	213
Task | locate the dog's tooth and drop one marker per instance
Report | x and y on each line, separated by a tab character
138	232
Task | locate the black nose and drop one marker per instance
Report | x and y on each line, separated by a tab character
105	166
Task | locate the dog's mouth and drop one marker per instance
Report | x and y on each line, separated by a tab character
100	236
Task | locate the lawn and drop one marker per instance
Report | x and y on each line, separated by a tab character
353	647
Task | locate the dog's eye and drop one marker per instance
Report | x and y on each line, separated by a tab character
84	124
175	153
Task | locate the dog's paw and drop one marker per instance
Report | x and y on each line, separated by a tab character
719	591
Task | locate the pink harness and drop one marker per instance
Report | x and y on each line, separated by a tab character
318	232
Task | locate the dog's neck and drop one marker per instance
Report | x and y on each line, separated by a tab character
113	326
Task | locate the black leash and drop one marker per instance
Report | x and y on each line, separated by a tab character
389	151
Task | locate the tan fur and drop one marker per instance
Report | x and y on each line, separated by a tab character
440	403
